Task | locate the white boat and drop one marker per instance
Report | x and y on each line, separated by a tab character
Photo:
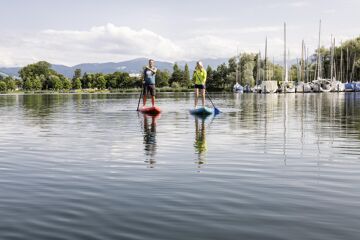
302	87
238	88
337	86
288	87
247	89
322	85
269	86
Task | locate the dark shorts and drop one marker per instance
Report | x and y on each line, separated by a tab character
149	89
200	86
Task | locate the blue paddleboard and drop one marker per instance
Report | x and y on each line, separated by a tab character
202	111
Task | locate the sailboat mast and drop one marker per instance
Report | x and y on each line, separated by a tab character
258	77
347	64
302	72
353	69
341	64
334	61
273	68
318	60
265	59
287	72
285	75
307	66
331	59
237	66
298	66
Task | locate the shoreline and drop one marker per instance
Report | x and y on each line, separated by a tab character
94	91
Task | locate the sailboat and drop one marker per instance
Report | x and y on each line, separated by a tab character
268	86
320	84
352	86
303	86
336	86
257	88
287	87
237	88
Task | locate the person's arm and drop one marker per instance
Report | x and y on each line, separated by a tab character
194	77
203	76
154	70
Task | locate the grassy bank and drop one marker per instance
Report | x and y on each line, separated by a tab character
87	91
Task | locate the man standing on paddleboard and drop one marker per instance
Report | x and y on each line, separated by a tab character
199	78
149	82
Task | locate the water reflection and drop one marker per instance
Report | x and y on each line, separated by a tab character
200	143
149	134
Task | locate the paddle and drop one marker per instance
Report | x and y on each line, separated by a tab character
217	111
141	93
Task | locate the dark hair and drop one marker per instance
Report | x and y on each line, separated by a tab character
151	60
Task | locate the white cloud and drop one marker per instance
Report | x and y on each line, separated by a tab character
116	43
109	43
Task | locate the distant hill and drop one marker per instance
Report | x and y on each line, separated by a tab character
212	62
4	75
131	66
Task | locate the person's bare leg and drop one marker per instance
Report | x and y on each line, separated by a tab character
153	100
196	97
203	97
144	100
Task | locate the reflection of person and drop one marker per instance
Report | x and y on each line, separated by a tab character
199	78
200	140
150	138
149	82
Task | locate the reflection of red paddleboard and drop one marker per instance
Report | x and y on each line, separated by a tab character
150	110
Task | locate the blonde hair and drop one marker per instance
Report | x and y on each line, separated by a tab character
199	63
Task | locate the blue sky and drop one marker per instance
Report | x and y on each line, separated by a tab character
71	32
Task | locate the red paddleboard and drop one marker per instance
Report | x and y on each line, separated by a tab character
150	110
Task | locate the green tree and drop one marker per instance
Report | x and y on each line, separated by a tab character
232	64
247	74
293	73
55	82
209	78
39	74
76	84
177	75
186	82
10	83
162	78
28	84
77	73
3	86
220	76
36	69
100	82
37	84
19	83
67	84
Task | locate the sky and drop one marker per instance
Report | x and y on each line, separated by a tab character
82	31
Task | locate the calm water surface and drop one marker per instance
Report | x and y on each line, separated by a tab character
268	167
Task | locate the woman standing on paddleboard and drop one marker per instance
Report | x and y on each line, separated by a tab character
199	78
149	82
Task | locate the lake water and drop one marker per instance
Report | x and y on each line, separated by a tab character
268	167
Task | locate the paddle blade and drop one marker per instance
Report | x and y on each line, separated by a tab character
216	111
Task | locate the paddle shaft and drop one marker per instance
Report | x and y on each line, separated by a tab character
216	109
207	94
141	93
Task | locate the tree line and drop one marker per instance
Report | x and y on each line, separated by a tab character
246	69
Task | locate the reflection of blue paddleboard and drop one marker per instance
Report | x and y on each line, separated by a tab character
202	111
